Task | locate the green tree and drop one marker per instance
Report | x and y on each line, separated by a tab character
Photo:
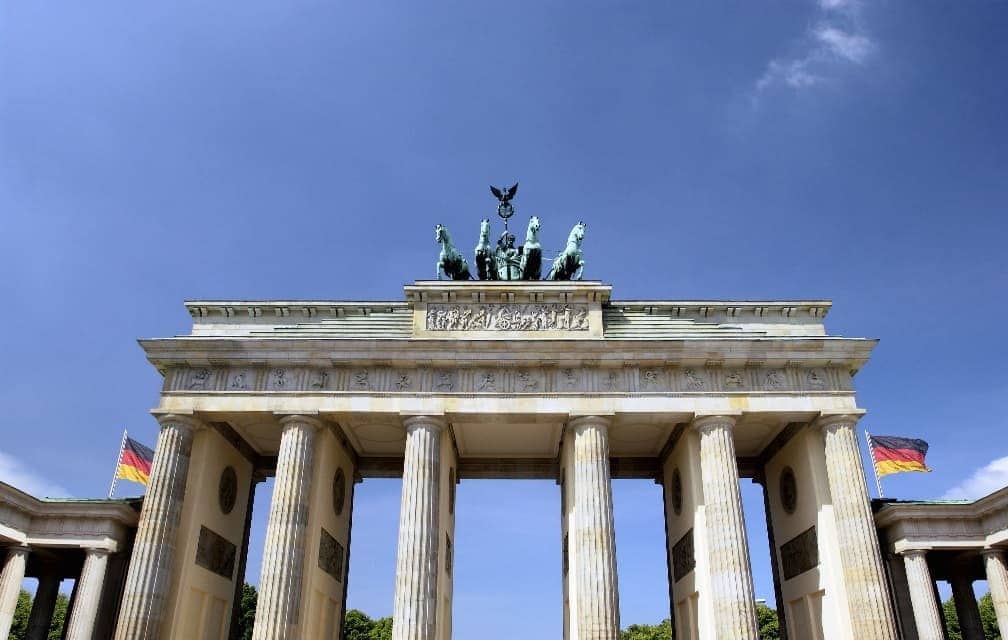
951	620
769	624
19	627
660	631
247	611
382	629
357	626
59	617
988	618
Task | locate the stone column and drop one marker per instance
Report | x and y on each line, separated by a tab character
89	590
860	558
414	613
997	582
732	595
967	610
593	539
927	616
43	605
278	610
11	577
152	563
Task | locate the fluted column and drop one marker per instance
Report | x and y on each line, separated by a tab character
732	594
927	617
279	607
152	563
967	610
11	577
593	539
414	614
89	590
43	605
997	582
860	558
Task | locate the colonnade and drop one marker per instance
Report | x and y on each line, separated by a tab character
422	601
927	612
84	604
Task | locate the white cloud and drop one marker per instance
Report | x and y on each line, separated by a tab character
16	474
835	41
793	73
988	479
852	46
838	5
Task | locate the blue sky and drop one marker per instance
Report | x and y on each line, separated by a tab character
846	150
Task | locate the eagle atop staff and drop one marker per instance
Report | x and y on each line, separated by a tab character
504	195
504	209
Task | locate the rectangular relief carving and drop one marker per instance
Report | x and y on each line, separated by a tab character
507	317
330	556
500	379
215	553
800	553
683	557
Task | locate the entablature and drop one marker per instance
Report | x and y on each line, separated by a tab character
945	525
99	524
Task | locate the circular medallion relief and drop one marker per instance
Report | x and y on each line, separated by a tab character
227	489
788	490
676	492
339	491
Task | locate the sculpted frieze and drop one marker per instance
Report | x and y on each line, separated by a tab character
507	317
509	380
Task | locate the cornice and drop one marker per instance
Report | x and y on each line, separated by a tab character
118	510
736	351
238	310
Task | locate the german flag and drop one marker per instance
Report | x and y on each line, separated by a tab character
894	455
135	462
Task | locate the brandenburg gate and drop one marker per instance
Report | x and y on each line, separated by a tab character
504	378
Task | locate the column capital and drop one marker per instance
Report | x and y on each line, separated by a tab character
292	419
96	552
992	551
846	418
20	549
913	552
414	421
189	423
704	422
581	421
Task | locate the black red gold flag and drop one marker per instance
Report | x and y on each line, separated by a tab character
894	454
135	462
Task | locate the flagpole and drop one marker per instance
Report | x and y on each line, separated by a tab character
115	474
878	482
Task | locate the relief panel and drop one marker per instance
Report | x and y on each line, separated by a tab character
215	553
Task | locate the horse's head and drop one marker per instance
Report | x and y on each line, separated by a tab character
533	226
485	227
577	233
440	233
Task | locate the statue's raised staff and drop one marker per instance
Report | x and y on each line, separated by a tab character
531	255
451	261
570	261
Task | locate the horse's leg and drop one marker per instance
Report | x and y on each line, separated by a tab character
580	269
438	268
